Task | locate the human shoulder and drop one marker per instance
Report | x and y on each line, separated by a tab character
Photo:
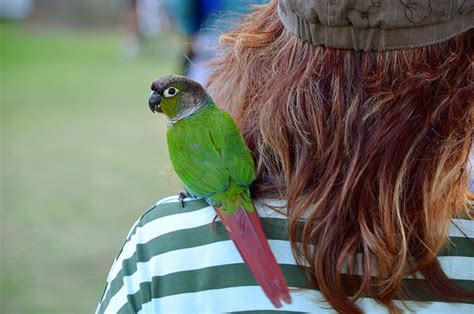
172	214
160	230
184	223
172	205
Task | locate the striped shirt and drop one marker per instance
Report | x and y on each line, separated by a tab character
178	260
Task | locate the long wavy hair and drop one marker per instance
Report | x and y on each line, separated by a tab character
370	150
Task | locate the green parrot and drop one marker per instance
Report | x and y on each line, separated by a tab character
210	157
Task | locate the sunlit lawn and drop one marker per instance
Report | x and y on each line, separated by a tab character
81	158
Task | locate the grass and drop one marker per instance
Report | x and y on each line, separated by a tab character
81	158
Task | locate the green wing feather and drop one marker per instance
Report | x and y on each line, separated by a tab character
236	155
208	153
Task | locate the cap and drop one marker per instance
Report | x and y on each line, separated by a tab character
376	25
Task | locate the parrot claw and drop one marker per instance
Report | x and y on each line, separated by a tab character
213	223
181	197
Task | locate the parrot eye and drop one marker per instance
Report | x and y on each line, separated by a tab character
170	92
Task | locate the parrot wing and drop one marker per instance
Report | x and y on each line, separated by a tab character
236	155
206	157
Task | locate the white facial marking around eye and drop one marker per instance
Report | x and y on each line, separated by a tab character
170	92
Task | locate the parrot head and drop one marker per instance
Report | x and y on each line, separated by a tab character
177	96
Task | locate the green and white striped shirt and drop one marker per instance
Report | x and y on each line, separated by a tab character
176	260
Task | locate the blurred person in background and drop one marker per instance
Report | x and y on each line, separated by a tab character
202	21
15	9
143	19
359	116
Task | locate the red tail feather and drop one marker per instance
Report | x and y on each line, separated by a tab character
246	232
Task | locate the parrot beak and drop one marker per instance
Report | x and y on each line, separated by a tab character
154	101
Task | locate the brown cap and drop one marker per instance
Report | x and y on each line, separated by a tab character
376	25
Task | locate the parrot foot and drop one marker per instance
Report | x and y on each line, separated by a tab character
181	197
213	223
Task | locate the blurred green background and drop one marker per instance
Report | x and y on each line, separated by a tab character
82	157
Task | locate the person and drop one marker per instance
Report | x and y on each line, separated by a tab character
202	21
142	20
359	115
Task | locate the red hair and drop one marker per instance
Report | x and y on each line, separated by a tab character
370	149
